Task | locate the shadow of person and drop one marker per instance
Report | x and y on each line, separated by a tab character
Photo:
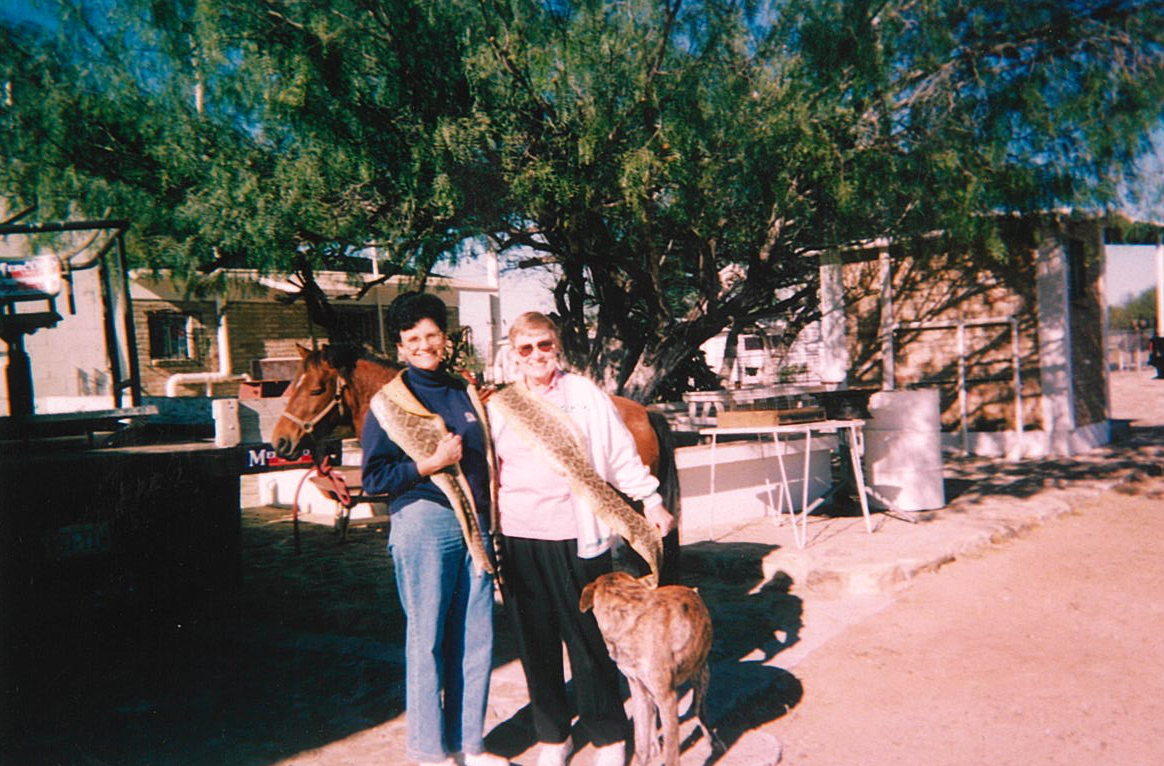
754	620
514	735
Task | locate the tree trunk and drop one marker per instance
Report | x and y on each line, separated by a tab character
730	351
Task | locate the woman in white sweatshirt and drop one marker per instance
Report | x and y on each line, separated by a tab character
551	545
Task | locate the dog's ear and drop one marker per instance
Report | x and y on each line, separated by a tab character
586	603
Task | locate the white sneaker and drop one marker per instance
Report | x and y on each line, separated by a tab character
555	753
445	762
613	754
483	759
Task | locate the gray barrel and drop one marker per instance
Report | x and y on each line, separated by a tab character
903	450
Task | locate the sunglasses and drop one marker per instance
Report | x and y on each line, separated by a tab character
545	346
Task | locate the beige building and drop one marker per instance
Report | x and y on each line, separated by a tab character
203	340
1014	343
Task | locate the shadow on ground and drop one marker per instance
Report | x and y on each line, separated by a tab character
1137	452
753	621
307	651
1140	451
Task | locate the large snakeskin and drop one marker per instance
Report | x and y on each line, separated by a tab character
418	436
544	425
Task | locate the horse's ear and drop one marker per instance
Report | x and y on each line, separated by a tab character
303	350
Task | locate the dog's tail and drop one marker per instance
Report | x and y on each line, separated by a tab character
669	490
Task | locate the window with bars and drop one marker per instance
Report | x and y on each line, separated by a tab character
172	335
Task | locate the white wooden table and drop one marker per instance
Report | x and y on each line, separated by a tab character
850	429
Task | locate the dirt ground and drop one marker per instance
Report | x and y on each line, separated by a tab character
1045	650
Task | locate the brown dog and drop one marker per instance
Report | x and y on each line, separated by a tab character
659	638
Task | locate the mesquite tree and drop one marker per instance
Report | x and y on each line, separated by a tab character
682	162
678	164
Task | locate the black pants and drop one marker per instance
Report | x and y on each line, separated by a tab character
543	581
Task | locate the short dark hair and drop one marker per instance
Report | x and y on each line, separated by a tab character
407	309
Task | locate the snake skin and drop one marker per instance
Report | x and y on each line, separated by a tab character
542	424
418	435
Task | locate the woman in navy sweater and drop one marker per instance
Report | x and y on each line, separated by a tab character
426	445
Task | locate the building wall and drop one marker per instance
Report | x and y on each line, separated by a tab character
860	277
70	360
154	372
929	292
260	328
1085	293
267	330
256	330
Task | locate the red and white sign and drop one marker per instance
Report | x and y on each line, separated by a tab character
30	278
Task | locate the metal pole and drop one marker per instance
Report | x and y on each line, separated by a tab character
111	346
127	322
1159	285
1019	421
963	413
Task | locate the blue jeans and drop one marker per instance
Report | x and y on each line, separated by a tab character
449	632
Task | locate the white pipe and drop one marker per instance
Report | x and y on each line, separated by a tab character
221	375
493	280
379	301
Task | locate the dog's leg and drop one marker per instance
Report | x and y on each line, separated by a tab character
668	702
699	705
643	711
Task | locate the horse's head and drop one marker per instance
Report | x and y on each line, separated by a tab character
315	399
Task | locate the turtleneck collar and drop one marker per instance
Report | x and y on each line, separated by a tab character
428	378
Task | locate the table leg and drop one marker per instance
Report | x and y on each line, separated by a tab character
777	508
859	476
786	493
712	489
802	536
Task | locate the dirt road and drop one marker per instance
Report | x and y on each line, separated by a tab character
1048	650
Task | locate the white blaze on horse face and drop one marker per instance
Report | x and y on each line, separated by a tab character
538	366
422	345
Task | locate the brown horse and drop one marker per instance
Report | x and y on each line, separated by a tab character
336	384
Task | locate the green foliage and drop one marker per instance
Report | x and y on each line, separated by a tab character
1136	312
238	135
651	148
676	164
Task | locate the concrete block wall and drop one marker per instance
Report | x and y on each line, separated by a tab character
947	288
257	330
70	360
266	329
